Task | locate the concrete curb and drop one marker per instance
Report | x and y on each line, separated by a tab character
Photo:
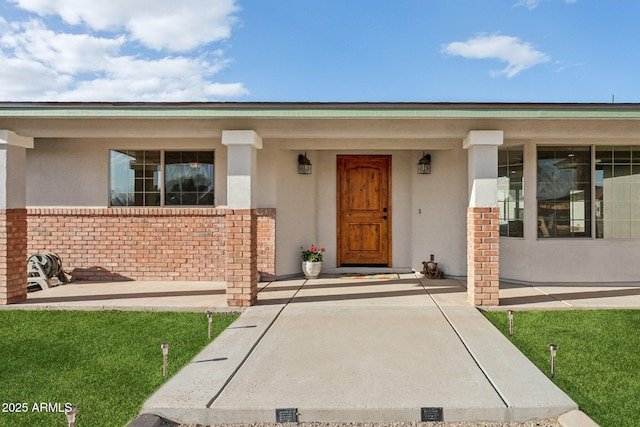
576	418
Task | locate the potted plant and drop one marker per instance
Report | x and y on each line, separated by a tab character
312	261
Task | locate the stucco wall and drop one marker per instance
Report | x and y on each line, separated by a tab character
75	172
440	202
296	211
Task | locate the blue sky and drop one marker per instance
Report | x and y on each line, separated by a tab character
320	50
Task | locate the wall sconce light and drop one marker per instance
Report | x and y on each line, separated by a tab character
304	165
424	164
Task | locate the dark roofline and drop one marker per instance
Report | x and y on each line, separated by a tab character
324	105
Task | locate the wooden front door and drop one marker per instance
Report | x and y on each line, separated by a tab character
364	210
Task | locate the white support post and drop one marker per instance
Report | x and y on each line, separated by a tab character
242	146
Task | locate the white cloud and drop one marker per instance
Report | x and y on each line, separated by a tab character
176	26
532	4
61	52
517	54
44	61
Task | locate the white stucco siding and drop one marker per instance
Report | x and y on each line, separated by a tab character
67	173
570	260
295	210
267	173
75	172
439	206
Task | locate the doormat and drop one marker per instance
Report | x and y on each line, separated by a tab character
384	276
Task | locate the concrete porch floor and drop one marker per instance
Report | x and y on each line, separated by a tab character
129	295
202	296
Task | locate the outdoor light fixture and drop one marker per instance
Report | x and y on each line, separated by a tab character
510	314
304	165
210	319
71	415
424	164
553	349
165	358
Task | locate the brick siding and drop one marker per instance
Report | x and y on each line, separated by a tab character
483	239
13	255
140	243
266	235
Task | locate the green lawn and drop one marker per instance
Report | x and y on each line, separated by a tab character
598	357
105	362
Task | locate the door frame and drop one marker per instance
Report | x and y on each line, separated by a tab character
339	177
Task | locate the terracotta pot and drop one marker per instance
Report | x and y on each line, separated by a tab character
311	270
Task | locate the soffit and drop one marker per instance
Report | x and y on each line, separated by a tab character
323	121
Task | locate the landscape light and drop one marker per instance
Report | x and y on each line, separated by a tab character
210	319
71	415
553	348
510	314
165	358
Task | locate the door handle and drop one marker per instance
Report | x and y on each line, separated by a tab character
384	217
384	209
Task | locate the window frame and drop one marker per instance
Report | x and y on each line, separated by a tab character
162	177
633	162
589	214
522	199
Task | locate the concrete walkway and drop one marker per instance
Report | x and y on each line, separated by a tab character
360	351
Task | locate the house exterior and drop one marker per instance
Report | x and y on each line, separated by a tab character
532	193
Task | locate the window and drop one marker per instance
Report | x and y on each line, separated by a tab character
188	178
617	189
136	178
511	191
564	191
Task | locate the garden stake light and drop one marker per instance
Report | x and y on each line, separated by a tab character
553	349
71	415
210	319
510	314
165	357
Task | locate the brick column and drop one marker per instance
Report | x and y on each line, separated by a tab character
483	267
483	228
13	216
241	257
267	244
13	255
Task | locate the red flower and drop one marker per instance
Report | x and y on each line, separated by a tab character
322	249
314	249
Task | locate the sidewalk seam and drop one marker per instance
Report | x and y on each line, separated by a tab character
464	344
553	297
246	357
